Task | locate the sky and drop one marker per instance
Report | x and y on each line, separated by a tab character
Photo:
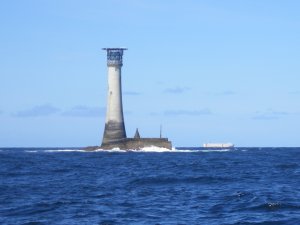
206	70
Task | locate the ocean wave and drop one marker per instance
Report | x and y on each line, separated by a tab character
65	150
158	149
145	149
174	149
274	206
215	150
110	150
161	180
150	149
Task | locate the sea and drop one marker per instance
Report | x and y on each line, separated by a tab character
152	186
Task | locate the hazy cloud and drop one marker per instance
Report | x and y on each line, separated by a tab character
154	114
221	93
187	112
225	93
294	92
264	117
270	115
85	111
131	93
37	111
176	90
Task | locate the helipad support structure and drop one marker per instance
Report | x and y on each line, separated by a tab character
114	125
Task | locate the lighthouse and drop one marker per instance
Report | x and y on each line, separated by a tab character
114	130
114	135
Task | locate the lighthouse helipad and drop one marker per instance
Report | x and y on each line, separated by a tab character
114	135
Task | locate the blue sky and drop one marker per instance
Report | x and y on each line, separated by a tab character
208	71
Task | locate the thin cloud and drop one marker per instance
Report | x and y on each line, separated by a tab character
221	93
133	93
225	93
37	111
154	114
294	92
270	115
176	90
187	112
265	117
85	111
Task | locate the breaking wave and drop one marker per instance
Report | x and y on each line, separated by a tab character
158	149
216	150
65	150
111	150
144	150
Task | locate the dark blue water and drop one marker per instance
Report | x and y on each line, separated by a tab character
243	186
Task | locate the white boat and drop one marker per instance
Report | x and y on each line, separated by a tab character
218	145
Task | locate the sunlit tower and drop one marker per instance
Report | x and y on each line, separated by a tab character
114	124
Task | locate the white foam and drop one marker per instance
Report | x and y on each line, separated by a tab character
145	149
65	150
110	150
158	149
215	150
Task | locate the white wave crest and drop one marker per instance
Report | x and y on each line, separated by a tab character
216	150
158	149
145	149
65	150
110	150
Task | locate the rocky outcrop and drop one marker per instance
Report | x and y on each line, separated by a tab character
134	143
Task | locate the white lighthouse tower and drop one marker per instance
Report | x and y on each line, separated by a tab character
114	125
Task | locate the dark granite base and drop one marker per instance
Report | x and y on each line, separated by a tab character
134	143
113	131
